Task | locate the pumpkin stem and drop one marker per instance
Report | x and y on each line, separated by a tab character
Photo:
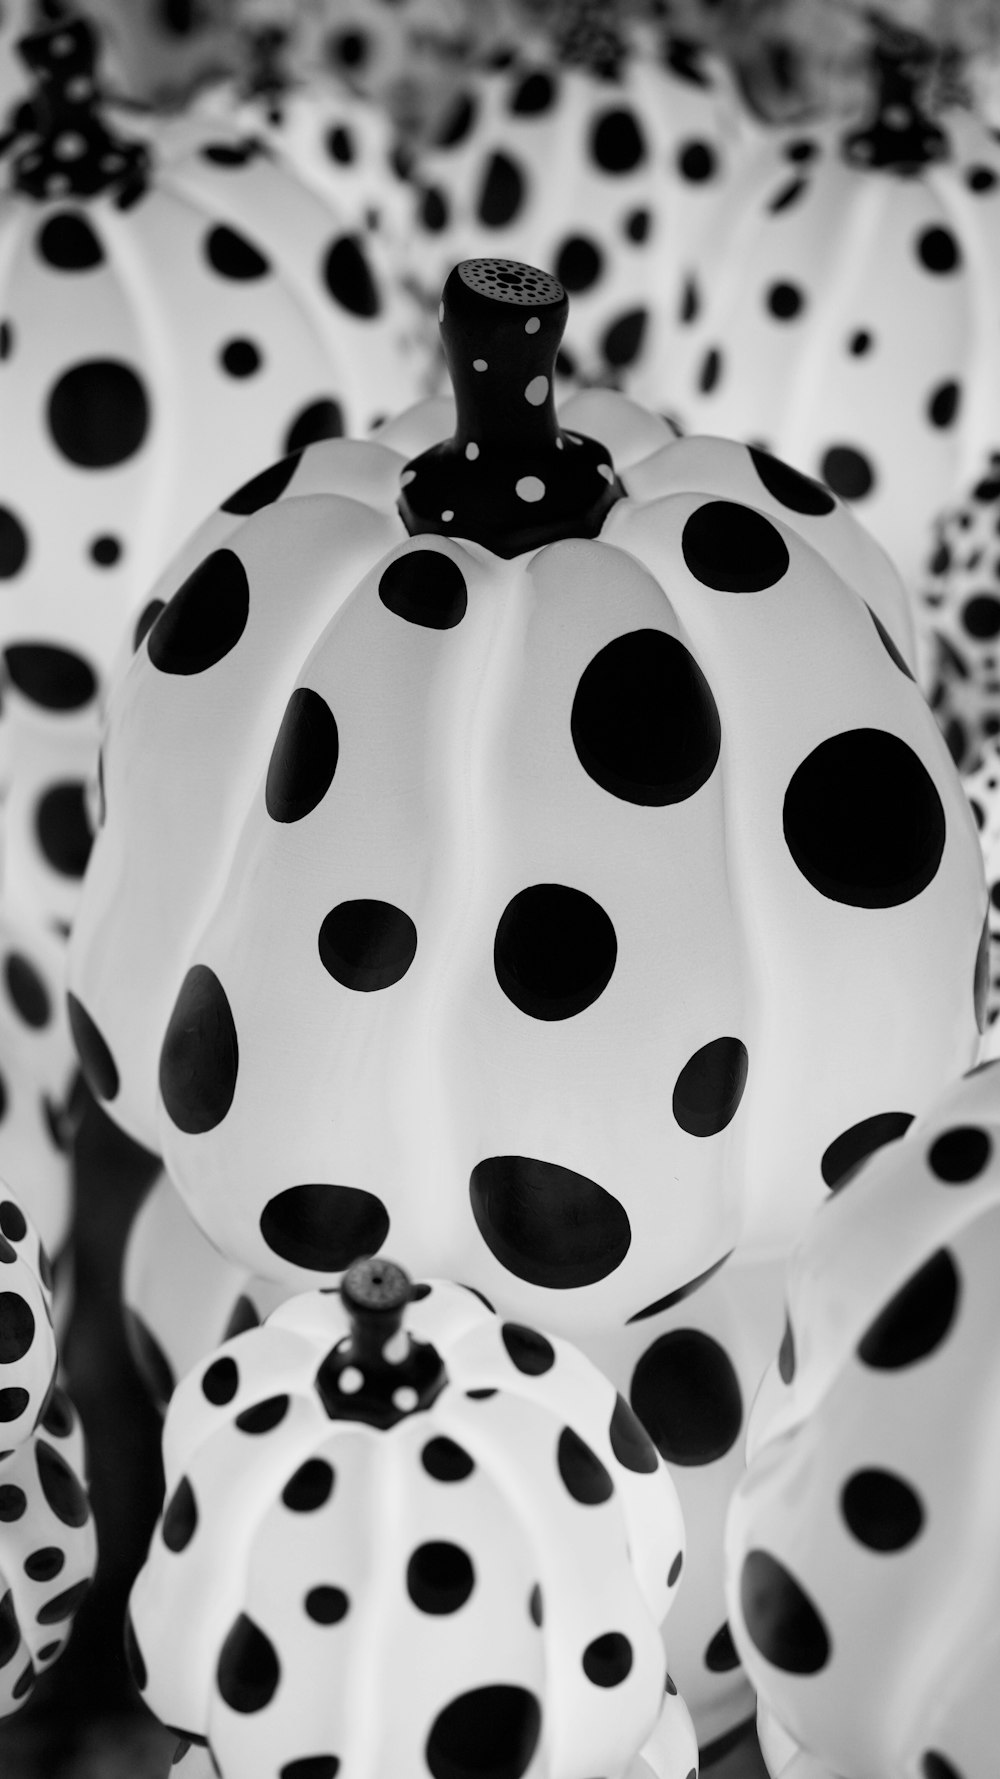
509	478
900	136
65	146
379	1374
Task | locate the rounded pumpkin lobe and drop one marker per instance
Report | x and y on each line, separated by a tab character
425	587
324	1227
248	1672
686	1393
710	1086
205	619
780	1617
917	1317
733	549
303	759
644	723
845	1155
367	945
554	952
491	1732
98	413
96	1060
794	490
199	1057
863	820
546	1224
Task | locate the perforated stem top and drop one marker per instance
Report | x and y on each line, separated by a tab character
509	477
64	144
900	137
379	1374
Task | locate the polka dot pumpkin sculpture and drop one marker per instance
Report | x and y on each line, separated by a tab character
177	306
864	1542
598	156
960	614
48	1549
557	894
459	1513
840	309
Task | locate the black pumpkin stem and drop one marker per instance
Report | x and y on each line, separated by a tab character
398	1375
509	478
64	146
900	137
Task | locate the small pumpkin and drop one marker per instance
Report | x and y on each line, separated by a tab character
863	1545
177	307
959	613
458	1512
840	310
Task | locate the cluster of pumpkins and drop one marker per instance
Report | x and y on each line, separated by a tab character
635	464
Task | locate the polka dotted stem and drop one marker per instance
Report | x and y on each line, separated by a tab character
68	148
379	1374
508	478
899	135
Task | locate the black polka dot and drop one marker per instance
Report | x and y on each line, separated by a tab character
981	977
607	1661
58	1419
938	250
501	192
491	1732
340	145
13	1221
533	94
674	1572
916	1319
17	1327
326	1605
105	551
248	1672
320	419
13	1502
445	1460
547	1224
263	1417
696	161
324	1227
133	1654
784	301
711	370
578	263
644	723
311	1766
527	1349
233	256
960	1154
883	1512
630	1442
264	488
10	1633
794	490
146	619
63	828
45	1564
720	1654
787	195
535	1606
710	1086
863	820
980	616
622	340
638	224
845	1155
310	1487
205	619
240	358
67	242
180	1517
96	1060
199	1058
27	990
687	1395
943	404
349	277
733	549
848	472
781	1620
148	1357
439	1577
690	302
980	179
434	209
888	644
63	1492
585	1478
303	759
425	587
860	342
366	945
554	952
616	141
48	1650
221	1381
936	1766
98	413
13	544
